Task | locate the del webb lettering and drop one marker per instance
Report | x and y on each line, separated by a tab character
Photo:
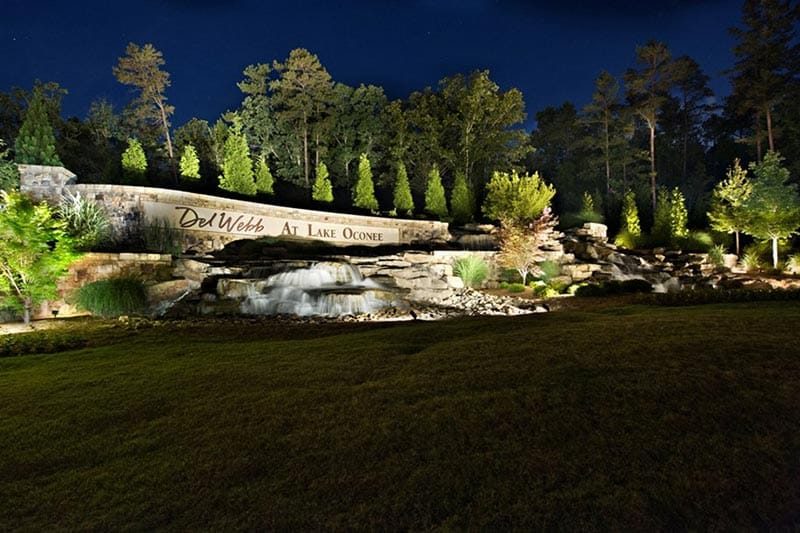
250	225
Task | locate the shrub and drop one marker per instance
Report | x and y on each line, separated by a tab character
364	188
265	183
793	264
160	237
134	162
751	260
626	239
86	222
402	200
697	241
37	342
435	202
516	200
716	255
472	269
678	215
461	200
112	297
515	287
548	270
630	215
190	163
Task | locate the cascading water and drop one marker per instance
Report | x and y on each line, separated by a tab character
327	289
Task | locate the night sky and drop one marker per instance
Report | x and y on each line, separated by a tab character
552	50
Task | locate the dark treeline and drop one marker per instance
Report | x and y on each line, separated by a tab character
657	125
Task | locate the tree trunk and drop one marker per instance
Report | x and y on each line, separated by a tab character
774	252
770	138
653	166
305	155
758	137
26	311
166	129
737	243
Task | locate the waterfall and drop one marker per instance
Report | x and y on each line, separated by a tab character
327	289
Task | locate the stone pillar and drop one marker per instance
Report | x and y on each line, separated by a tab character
44	183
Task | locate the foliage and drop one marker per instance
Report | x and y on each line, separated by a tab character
160	237
35	251
630	216
402	200
322	190
472	269
697	241
86	222
112	297
716	255
661	233
626	239
9	171
515	287
141	68
264	181
134	162
519	245
190	163
364	190
39	342
793	264
547	270
515	199
727	213
751	260
678	216
773	207
237	167
462	200
435	202
36	142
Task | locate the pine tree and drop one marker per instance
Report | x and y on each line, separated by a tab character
662	219
264	181
364	190
678	215
190	164
773	208
630	215
727	212
461	200
322	191
134	162
237	168
403	202
435	202
36	143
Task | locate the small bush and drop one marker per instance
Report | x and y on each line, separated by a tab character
793	264
37	342
515	287
472	269
112	297
716	255
87	222
548	270
626	239
751	261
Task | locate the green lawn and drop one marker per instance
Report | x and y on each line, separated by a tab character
622	418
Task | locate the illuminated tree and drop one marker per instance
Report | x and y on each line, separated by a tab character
520	245
35	252
141	68
461	200
435	202
515	199
678	215
630	215
662	220
264	180
36	143
134	162
190	164
237	168
322	191
364	190
727	212
403	201
773	208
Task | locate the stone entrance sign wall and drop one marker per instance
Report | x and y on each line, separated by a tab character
209	222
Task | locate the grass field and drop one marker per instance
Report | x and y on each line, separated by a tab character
620	418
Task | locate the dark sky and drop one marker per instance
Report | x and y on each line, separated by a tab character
551	50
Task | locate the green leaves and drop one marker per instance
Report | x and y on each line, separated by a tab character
36	143
134	162
435	202
517	200
364	190
322	190
237	168
190	163
402	199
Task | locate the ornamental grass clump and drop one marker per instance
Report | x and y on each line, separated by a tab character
86	221
112	297
472	270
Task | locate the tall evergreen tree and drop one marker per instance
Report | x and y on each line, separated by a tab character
630	215
766	64
141	68
662	219
602	112
237	167
648	89
190	164
36	143
461	200
435	201
322	190
264	181
402	199
134	162
678	215
364	190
